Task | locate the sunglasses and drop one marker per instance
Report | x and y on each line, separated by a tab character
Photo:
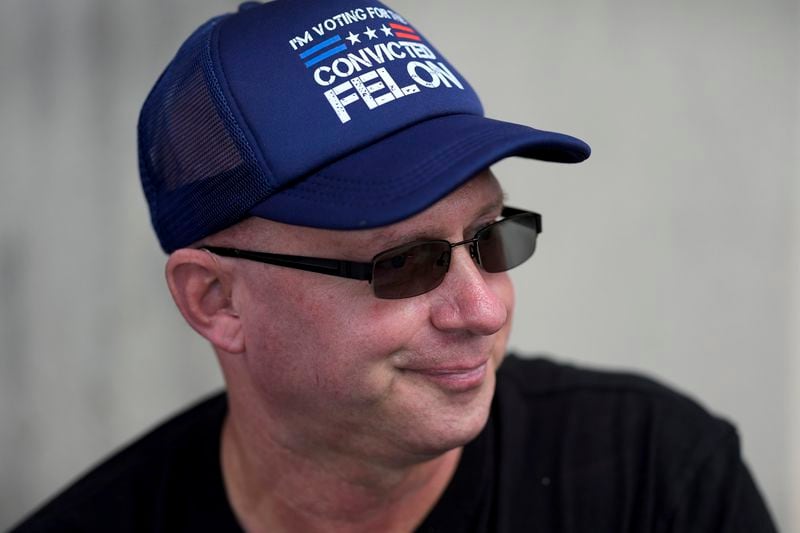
419	267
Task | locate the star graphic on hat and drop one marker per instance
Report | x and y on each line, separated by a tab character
386	30
353	38
371	33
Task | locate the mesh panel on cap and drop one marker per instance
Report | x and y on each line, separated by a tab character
199	173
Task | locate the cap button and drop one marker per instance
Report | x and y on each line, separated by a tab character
244	6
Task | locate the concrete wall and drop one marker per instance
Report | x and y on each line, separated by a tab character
674	250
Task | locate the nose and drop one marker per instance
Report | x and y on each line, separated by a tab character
469	299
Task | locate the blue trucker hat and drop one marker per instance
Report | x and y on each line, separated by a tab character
333	114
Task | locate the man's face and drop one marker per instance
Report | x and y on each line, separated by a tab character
330	365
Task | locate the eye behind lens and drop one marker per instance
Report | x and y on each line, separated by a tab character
410	270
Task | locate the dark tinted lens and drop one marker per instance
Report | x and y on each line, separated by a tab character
507	243
410	270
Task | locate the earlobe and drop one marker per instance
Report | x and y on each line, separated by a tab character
202	291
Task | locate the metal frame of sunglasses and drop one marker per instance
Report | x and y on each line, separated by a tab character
437	254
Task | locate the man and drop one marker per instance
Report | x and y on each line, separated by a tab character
318	173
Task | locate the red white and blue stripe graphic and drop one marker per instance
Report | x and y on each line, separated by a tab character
323	50
402	31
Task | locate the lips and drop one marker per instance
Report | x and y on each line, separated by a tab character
458	378
440	371
446	367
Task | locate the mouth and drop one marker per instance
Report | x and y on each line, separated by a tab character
453	378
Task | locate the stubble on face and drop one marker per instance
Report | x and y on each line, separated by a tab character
330	368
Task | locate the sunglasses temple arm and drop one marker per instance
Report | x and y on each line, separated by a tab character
332	267
353	270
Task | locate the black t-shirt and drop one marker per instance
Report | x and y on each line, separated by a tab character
565	450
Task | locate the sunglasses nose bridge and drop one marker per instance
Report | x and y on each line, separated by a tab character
473	248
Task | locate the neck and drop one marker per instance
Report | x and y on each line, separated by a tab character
274	487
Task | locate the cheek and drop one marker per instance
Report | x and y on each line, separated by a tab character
323	334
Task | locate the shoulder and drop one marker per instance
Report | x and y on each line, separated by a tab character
594	412
536	375
129	490
625	448
538	383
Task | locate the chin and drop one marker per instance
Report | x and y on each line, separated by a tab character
451	438
447	427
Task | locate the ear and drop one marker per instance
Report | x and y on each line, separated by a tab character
202	291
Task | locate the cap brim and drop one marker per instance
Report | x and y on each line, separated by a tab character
406	172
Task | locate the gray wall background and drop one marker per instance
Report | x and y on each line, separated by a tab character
674	250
